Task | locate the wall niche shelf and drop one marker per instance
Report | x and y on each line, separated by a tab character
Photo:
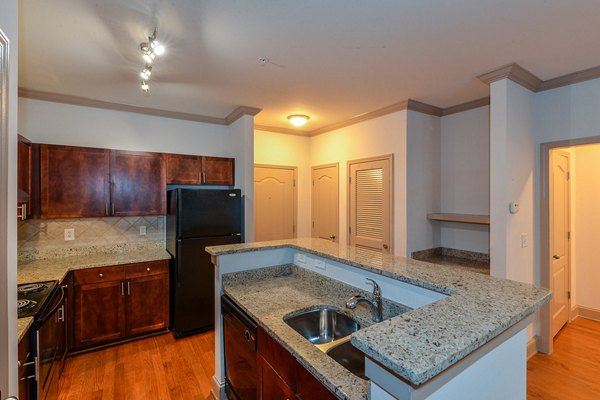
461	218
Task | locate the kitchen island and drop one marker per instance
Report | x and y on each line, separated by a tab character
463	336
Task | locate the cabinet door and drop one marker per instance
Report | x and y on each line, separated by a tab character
138	183
147	304
271	384
217	171
63	327
309	388
24	170
184	169
99	312
24	369
74	181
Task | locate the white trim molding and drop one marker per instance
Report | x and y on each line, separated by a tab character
585	312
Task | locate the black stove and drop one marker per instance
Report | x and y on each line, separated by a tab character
31	297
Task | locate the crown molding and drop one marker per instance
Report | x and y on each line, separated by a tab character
469	105
288	131
569	79
414	105
87	102
240	112
515	73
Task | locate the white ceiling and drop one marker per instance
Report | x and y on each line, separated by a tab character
329	59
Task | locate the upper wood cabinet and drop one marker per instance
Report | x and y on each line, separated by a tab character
24	177
199	170
138	183
74	181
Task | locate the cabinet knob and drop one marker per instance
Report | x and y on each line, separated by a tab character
148	269
101	275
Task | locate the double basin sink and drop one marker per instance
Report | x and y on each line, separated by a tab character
329	330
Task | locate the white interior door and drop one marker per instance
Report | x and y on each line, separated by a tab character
559	239
274	203
370	203
325	202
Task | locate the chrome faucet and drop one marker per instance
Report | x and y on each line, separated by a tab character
376	306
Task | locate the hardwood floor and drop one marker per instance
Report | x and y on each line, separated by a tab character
163	368
572	371
158	368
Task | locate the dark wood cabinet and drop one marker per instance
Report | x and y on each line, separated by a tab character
138	183
184	169
114	303
24	178
272	386
199	170
74	181
218	171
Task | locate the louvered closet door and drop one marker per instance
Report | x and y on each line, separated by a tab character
370	204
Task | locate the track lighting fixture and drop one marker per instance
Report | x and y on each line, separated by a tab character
150	50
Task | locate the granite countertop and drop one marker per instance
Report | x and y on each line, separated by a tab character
291	289
421	343
23	325
461	259
57	266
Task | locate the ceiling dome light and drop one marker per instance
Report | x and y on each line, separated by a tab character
145	87
146	72
298	119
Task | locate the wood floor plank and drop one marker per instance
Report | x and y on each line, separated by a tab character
572	371
158	368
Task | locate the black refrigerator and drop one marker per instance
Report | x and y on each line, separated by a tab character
198	218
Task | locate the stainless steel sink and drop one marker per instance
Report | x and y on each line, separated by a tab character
322	325
350	357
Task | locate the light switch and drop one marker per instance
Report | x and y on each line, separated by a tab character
143	230
301	259
524	240
70	234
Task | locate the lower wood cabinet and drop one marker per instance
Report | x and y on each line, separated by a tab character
114	303
282	377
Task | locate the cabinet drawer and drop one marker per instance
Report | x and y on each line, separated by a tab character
96	275
146	269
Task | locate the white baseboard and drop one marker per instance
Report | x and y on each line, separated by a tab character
585	312
218	390
532	346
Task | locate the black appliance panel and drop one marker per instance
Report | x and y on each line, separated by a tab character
204	212
193	280
239	338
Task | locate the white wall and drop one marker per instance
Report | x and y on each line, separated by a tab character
281	149
9	17
585	226
375	137
511	169
465	177
423	180
241	146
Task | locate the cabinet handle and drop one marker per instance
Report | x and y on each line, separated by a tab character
112	205
23	215
122	289
61	314
106	208
128	288
100	275
203	177
148	269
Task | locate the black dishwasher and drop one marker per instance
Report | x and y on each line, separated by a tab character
239	338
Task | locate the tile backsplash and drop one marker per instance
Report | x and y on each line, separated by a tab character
42	234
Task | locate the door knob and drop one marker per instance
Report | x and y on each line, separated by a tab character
556	256
332	238
385	246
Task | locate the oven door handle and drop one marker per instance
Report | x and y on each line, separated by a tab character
58	303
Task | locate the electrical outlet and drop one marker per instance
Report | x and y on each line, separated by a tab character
142	230
301	259
524	240
70	234
320	264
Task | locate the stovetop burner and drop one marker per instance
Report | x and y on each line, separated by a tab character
24	305
31	288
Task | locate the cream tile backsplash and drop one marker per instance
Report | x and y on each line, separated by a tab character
49	234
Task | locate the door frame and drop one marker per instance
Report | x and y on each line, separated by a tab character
312	200
390	159
545	345
295	183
